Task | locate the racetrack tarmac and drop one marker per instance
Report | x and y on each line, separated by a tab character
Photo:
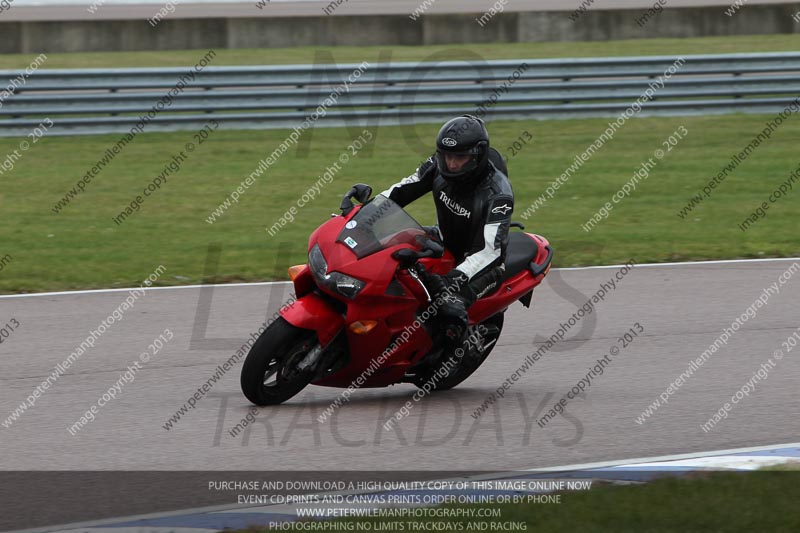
682	309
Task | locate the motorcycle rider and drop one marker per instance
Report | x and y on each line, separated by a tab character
474	202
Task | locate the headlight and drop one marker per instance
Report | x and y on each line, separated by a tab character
335	281
319	267
346	285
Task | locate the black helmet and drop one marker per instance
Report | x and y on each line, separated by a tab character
464	135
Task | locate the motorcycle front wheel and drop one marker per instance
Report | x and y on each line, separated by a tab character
270	374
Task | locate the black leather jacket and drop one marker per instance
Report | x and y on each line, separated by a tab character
473	222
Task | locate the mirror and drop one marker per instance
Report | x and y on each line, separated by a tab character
361	192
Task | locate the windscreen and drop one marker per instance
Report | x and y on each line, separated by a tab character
379	224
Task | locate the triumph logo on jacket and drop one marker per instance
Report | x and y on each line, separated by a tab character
453	206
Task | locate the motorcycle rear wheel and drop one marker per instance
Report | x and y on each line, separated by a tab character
467	367
270	375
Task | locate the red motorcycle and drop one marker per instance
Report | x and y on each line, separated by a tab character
363	316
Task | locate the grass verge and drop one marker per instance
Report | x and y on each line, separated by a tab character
720	502
82	247
357	54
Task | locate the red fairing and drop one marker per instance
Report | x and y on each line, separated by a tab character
312	312
389	296
541	255
510	290
303	283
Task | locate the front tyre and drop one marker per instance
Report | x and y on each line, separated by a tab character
270	374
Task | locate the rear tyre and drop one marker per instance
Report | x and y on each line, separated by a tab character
270	375
468	365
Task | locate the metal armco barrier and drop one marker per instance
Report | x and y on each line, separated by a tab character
95	101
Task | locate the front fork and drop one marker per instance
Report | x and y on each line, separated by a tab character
312	312
322	361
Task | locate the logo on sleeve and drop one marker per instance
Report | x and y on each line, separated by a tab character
502	209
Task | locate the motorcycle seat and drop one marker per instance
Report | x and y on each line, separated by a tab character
520	252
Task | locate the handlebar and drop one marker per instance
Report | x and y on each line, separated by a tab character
407	257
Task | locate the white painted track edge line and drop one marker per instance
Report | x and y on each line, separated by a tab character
128	289
257	283
661	458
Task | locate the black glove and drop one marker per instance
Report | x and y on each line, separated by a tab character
456	320
456	280
453	282
433	233
436	284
